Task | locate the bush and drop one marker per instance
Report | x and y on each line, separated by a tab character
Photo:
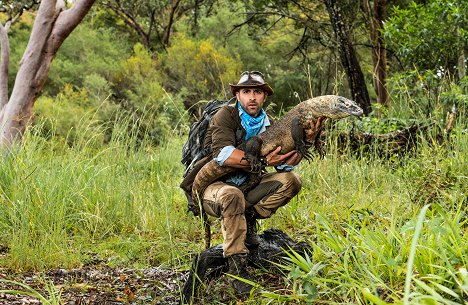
138	91
71	114
428	94
198	68
88	51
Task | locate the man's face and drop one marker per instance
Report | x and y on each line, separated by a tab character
251	100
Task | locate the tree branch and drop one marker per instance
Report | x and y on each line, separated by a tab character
69	19
130	21
170	22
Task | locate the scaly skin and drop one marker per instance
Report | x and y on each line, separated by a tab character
282	134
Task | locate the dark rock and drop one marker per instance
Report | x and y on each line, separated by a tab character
211	264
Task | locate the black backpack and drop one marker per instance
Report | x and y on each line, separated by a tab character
194	149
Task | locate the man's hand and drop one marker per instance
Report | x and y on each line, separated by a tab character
294	159
275	158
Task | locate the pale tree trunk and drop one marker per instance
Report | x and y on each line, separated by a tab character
461	64
53	24
4	61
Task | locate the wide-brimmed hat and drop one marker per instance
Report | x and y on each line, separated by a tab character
251	79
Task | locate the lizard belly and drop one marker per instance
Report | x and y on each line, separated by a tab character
277	136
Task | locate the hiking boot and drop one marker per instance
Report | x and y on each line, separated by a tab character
238	267
251	238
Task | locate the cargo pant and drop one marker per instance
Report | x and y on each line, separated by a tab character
229	203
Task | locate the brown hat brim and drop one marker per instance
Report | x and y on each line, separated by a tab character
265	86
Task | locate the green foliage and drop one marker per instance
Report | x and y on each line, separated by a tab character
269	51
137	79
456	95
97	86
62	205
89	55
106	77
360	260
240	43
71	114
138	91
198	69
424	95
120	202
89	181
54	297
429	36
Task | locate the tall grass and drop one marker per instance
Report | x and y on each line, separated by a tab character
62	205
421	261
65	205
383	231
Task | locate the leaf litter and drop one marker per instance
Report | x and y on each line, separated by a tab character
96	286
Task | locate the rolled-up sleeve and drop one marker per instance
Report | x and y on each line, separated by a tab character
224	154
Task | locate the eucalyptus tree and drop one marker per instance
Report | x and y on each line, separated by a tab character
12	11
153	20
55	20
324	23
348	56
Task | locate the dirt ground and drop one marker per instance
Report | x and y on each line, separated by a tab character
96	286
99	284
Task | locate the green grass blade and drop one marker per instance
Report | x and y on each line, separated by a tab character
414	244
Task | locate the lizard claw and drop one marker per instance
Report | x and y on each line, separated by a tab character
255	163
303	150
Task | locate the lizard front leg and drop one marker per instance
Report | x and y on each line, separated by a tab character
252	153
298	135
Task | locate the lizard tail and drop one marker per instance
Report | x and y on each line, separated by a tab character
208	174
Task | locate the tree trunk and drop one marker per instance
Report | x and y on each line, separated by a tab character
377	16
348	57
4	62
52	26
461	56
170	23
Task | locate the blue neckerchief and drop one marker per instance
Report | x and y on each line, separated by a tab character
251	125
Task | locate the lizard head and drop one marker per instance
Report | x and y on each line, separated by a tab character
343	107
331	106
328	106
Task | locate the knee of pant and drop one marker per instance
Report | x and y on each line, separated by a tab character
233	202
293	182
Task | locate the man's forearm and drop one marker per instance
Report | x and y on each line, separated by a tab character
235	159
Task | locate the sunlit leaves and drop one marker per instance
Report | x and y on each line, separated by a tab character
199	67
429	36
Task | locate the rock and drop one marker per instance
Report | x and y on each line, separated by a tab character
211	264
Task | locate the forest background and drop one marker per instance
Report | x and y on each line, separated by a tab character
96	174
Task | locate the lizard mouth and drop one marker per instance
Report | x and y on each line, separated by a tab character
357	112
352	109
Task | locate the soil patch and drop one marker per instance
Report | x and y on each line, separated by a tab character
103	285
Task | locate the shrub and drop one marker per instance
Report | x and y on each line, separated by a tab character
199	68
